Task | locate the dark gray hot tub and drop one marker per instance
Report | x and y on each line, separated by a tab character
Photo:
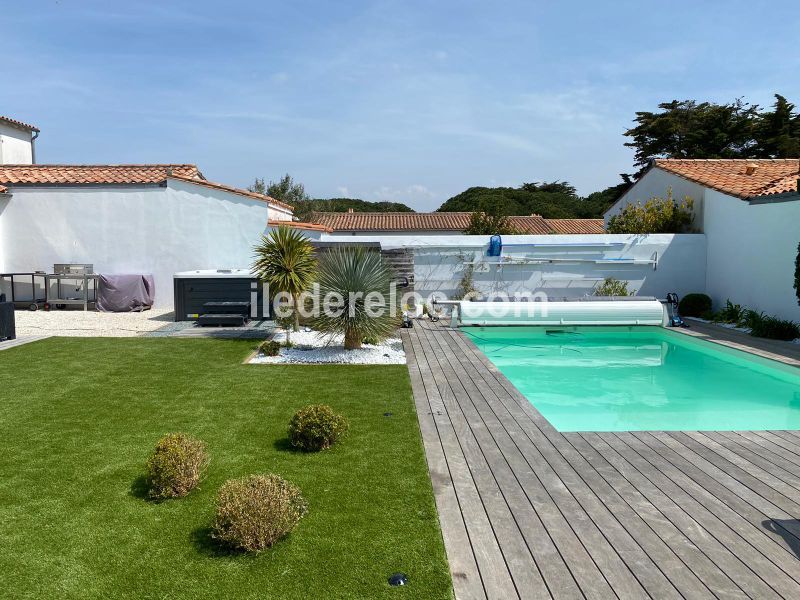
194	288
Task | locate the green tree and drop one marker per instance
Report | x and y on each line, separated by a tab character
778	131
286	189
688	129
553	200
304	209
657	215
490	220
284	260
259	187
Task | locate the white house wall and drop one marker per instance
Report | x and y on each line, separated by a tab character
655	183
135	229
751	253
15	146
439	262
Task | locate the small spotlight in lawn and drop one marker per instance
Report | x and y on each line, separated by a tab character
398	579
387	414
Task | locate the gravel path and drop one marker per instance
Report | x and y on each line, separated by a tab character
77	323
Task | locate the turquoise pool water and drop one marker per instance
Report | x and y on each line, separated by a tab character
640	379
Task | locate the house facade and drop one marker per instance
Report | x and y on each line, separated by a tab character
156	219
749	211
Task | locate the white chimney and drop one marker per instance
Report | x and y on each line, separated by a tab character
17	142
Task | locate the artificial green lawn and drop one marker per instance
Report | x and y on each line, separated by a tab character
78	418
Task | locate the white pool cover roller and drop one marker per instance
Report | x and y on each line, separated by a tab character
610	312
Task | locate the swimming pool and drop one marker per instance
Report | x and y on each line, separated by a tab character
641	379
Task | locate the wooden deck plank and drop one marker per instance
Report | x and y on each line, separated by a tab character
558	539
494	481
721	541
497	581
466	577
765	448
774	492
763	466
738	498
596	507
529	512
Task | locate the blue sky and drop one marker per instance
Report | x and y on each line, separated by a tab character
406	101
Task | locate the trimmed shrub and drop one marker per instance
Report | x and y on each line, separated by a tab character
256	511
612	287
269	348
694	305
316	427
176	466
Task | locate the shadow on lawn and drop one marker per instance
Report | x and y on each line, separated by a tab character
208	546
285	445
139	488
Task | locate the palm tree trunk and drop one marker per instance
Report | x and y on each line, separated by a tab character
352	341
296	313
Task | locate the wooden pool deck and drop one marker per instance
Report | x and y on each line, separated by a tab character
528	512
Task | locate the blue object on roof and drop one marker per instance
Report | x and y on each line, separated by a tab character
495	246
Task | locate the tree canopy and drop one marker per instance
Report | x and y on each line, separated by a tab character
552	200
293	192
489	220
286	189
691	129
304	208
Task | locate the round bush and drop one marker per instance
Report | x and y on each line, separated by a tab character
256	511
694	305
176	466
316	427
269	348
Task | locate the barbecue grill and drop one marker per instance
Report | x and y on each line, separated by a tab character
71	284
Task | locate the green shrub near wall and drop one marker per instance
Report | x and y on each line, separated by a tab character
694	305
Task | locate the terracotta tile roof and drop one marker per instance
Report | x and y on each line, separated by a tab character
446	221
742	178
300	225
116	174
576	226
2	190
92	174
393	221
233	190
18	124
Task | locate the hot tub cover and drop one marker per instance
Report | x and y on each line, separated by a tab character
125	293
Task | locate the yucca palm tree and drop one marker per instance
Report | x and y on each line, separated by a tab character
285	260
353	273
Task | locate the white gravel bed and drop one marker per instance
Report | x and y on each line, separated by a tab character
79	323
311	348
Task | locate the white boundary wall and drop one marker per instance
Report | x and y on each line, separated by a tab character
439	263
751	253
130	229
751	245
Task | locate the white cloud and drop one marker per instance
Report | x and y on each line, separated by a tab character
343	191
